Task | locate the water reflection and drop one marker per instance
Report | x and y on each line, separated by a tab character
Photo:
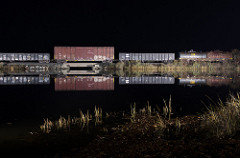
84	83
24	80
106	83
147	80
212	81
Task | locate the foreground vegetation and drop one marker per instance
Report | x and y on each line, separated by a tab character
159	133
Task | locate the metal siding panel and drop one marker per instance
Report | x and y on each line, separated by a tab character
166	56
143	57
139	56
147	56
46	57
127	56
155	57
162	56
159	57
78	55
132	56
20	57
135	56
73	53
56	53
64	53
68	53
111	53
60	53
153	80
100	54
158	80
36	56
105	53
121	56
78	83
121	80
150	56
108	53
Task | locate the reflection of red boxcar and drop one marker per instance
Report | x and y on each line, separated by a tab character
219	55
219	81
84	53
83	83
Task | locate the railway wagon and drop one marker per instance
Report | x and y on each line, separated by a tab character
22	57
72	54
161	57
219	55
192	55
84	83
147	80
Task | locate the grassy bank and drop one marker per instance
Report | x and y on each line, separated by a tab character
158	133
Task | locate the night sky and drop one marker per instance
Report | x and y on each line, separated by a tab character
168	26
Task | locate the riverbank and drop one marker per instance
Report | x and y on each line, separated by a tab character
150	133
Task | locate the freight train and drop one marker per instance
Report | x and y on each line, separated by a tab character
102	54
106	54
168	57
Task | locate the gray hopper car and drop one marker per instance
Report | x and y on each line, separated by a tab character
161	57
22	57
146	80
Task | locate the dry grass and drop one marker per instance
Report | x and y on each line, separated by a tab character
223	120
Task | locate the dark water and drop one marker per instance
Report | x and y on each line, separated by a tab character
23	107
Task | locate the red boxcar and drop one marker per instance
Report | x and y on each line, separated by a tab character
219	55
84	53
84	83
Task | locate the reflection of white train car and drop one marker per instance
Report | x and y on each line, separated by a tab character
22	57
191	81
146	80
24	80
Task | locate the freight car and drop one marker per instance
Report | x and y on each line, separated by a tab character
158	57
192	55
73	54
219	55
21	57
